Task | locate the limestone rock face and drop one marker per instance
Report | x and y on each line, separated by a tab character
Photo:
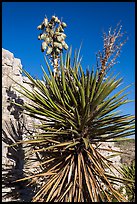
10	68
12	126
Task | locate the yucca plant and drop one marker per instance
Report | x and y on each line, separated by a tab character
128	171
77	114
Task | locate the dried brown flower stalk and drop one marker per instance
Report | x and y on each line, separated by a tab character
111	50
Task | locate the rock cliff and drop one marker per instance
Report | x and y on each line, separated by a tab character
14	126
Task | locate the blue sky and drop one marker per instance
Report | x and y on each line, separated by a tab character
86	21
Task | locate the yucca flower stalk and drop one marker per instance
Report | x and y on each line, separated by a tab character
54	40
77	113
111	49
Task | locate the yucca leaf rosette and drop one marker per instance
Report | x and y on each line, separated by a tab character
77	112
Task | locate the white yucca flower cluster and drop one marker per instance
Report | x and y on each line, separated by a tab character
53	35
53	39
